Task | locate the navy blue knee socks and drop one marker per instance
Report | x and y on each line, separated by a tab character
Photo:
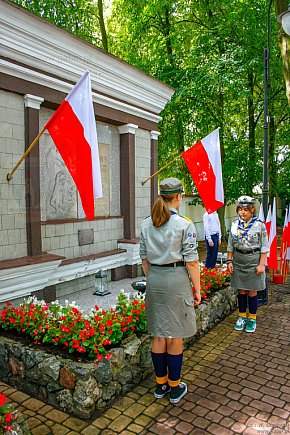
167	368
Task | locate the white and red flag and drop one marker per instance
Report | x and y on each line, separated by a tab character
73	130
288	235
261	216
203	161
284	244
272	255
268	221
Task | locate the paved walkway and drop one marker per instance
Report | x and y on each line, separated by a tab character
238	384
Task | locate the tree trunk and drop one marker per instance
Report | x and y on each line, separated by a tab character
282	6
252	144
102	26
272	161
168	44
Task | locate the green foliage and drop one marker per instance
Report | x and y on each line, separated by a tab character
79	17
212	54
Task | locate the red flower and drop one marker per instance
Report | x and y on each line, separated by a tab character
2	399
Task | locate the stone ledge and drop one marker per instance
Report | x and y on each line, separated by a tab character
27	261
92	257
82	389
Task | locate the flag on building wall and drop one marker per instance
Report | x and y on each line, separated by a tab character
272	255
73	130
203	161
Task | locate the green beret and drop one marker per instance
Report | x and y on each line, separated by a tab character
170	185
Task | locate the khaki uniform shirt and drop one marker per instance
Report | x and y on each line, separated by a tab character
174	241
257	237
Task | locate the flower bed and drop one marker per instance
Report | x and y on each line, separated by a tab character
90	336
11	422
116	341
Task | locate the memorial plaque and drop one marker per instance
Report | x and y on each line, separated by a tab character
86	237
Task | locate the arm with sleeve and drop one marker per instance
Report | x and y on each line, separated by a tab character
189	245
206	227
143	250
230	247
220	230
264	239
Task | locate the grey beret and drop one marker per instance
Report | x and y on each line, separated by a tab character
170	185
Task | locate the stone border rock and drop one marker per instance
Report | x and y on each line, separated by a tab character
82	389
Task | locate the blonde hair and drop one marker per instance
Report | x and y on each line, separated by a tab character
160	210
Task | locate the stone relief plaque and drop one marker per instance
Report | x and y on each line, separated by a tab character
58	191
59	196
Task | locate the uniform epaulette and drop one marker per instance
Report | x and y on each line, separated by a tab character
185	217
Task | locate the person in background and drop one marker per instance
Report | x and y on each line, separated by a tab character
168	250
247	253
213	235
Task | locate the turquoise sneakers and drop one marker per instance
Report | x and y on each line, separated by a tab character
251	325
240	324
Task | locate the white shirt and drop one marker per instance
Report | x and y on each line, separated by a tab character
211	224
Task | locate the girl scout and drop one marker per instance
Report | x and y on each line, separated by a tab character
168	251
247	253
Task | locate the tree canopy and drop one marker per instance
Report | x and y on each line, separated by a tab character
211	53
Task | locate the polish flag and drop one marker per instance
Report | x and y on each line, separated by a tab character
203	161
261	216
268	221
73	130
284	244
288	235
272	255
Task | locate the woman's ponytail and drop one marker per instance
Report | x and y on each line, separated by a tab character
160	210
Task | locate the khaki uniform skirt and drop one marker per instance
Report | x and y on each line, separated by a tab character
245	276
169	303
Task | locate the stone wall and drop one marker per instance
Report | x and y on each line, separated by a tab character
143	171
82	388
13	240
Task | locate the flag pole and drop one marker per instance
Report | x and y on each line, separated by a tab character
31	146
161	169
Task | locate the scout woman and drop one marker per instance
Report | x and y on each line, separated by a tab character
169	256
247	253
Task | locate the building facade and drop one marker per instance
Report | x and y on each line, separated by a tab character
47	247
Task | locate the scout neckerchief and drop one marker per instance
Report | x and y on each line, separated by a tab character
244	227
172	212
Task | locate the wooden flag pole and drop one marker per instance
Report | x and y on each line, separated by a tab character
31	146
161	169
